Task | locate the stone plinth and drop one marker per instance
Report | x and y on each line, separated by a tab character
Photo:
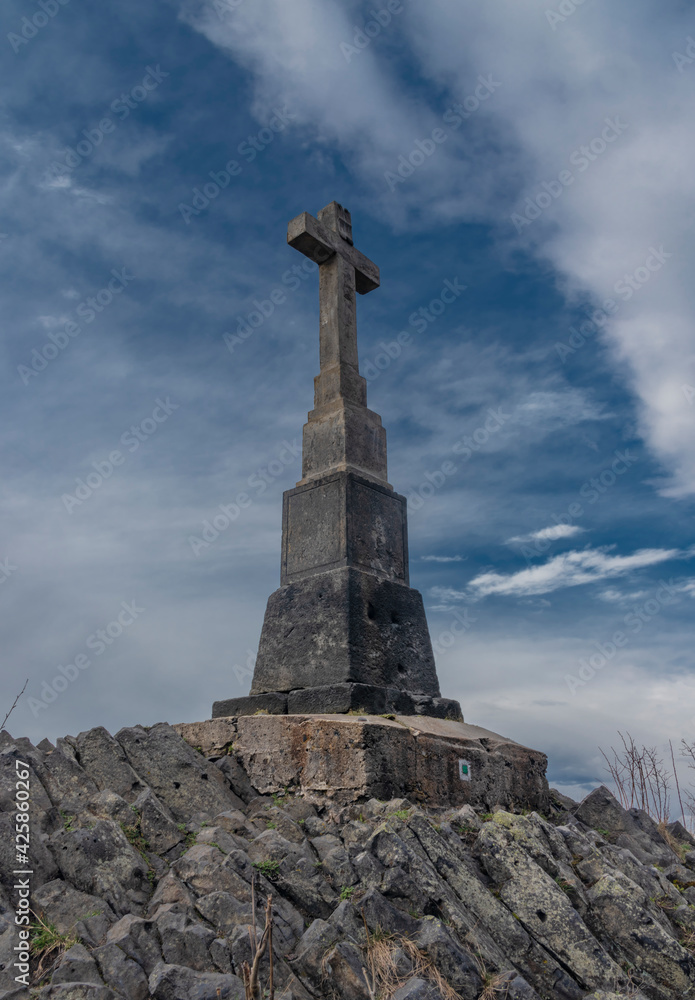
349	759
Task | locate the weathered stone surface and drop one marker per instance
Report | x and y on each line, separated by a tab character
74	912
353	758
100	861
628	828
138	939
271	702
121	973
105	761
179	776
543	908
417	989
77	991
185	941
620	909
77	966
341	627
156	823
175	982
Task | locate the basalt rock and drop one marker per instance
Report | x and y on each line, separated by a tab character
155	902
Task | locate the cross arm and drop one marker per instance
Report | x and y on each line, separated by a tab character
315	241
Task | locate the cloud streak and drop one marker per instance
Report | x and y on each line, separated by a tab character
570	569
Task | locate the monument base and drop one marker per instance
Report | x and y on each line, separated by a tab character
337	699
349	759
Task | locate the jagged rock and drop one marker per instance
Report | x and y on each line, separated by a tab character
284	824
77	966
45	817
417	989
77	991
108	805
221	956
169	890
217	836
342	968
620	909
234	821
138	939
101	861
678	831
156	823
121	973
74	912
104	760
174	982
449	958
533	908
179	776
67	785
544	909
368	870
335	860
185	941
516	987
237	779
205	869
632	828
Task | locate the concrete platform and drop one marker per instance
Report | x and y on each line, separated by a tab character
352	758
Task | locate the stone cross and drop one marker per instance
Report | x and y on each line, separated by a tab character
345	631
343	270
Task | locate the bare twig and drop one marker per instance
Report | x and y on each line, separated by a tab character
14	705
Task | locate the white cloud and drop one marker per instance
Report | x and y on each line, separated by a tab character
569	569
557	88
551	534
443	559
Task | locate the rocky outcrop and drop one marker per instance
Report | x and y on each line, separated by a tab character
151	861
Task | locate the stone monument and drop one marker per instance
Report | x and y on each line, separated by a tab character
345	632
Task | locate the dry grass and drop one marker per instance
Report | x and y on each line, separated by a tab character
383	978
47	946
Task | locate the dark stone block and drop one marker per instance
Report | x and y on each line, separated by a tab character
271	702
345	627
344	520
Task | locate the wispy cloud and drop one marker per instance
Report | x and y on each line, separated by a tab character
443	559
550	534
569	569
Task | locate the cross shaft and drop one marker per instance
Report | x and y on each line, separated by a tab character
343	270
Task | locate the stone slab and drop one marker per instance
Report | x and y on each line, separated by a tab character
348	759
334	699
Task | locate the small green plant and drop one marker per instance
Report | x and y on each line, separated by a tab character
604	833
181	827
401	814
271	824
135	838
268	869
347	892
190	840
566	886
318	864
486	817
47	943
68	821
136	809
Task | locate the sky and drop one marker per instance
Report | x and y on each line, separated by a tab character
521	171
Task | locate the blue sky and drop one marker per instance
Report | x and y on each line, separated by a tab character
539	154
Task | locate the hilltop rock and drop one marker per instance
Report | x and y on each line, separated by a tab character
149	881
